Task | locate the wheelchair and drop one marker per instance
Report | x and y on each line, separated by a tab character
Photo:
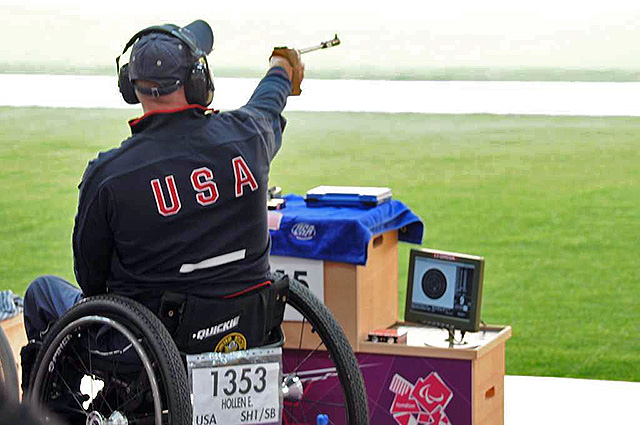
8	370
145	381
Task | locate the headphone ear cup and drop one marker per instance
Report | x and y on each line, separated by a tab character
198	86
126	86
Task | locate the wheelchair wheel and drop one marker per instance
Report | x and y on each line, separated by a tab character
327	379
8	370
125	359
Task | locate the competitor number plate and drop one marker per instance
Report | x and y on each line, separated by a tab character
236	394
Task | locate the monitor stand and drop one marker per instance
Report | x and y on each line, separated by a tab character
451	339
438	336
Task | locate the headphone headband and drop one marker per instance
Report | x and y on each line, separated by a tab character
170	29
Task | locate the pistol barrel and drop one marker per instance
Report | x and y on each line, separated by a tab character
323	45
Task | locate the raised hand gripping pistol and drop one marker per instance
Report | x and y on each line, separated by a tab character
285	52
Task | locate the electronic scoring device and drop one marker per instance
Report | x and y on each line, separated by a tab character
444	289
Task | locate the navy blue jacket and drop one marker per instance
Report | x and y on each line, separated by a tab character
181	204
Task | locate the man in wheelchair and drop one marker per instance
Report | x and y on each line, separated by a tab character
174	218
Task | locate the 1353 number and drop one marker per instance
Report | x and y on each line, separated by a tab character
249	379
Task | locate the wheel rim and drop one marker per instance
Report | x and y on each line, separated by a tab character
8	371
327	367
301	367
50	383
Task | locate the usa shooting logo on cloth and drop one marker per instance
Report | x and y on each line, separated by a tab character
421	403
303	231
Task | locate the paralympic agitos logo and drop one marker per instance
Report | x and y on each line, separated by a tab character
422	403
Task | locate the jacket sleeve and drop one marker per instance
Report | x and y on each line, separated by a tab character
93	239
270	97
265	108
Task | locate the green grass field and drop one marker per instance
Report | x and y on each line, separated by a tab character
550	202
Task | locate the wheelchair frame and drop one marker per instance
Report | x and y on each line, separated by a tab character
8	370
165	380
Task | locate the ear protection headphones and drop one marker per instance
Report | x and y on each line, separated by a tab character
198	82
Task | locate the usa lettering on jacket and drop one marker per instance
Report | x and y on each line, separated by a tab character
202	181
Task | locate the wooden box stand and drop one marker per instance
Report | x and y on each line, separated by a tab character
360	297
364	298
485	380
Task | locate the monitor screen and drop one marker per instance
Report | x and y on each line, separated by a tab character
444	289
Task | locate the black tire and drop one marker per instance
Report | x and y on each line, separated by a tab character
8	369
355	410
128	379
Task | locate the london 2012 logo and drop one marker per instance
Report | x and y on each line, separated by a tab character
303	231
421	403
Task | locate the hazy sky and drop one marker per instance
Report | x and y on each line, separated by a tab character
388	35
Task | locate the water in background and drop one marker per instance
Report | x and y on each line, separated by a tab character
441	97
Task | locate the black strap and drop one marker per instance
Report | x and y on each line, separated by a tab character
158	91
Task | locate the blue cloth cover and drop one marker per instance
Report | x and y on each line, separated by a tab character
338	233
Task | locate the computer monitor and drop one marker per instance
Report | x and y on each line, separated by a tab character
444	289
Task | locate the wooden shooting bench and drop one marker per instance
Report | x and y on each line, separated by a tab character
469	381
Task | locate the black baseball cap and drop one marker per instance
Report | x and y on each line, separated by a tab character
164	54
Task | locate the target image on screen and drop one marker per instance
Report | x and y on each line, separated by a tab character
444	289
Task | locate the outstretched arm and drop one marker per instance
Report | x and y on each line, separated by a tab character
283	79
